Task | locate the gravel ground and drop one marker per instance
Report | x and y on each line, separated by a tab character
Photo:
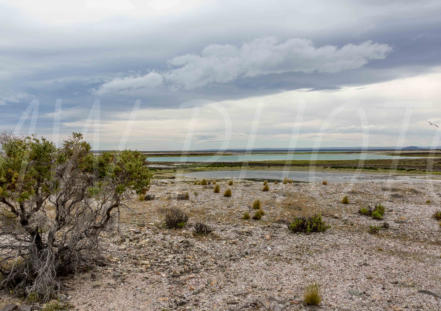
260	265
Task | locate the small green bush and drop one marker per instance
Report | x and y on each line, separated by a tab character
257	204
265	188
377	215
312	295
246	216
325	183
227	193
203	182
287	181
230	183
258	214
175	218
308	224
216	189
374	229
345	200
437	215
265	182
365	211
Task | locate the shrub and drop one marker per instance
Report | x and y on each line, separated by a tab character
428	202
287	180
308	224
377	215
203	182
437	215
325	183
258	214
216	189
227	193
183	196
246	216
345	200
175	218
86	190
374	229
202	229
312	295
230	183
378	212
265	182
365	211
256	204
265	188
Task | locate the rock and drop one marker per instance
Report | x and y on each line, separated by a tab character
25	308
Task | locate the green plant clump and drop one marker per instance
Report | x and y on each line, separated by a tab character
258	214
312	295
265	188
227	193
374	229
175	218
216	189
246	216
345	200
230	183
257	204
437	215
308	224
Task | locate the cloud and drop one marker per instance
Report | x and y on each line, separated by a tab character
226	63
129	84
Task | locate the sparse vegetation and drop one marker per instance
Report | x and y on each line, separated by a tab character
175	218
374	229
203	182
377	213
345	200
437	215
227	193
287	181
308	224
256	204
246	216
258	214
265	188
230	183
312	295
216	189
202	229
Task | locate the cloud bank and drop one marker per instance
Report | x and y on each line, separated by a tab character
264	56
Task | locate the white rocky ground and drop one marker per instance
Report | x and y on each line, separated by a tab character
260	265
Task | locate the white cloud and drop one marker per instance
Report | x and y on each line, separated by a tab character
130	84
226	63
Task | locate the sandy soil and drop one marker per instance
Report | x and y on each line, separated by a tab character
261	265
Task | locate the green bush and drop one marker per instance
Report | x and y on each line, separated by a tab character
230	183
227	193
258	214
183	196
246	216
265	188
308	224
437	215
175	218
345	200
216	189
374	229
256	204
365	211
377	215
203	182
312	295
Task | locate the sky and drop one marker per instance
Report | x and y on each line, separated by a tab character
220	74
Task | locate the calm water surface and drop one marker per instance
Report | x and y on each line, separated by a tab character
275	157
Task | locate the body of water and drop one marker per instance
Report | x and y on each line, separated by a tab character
303	176
275	157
